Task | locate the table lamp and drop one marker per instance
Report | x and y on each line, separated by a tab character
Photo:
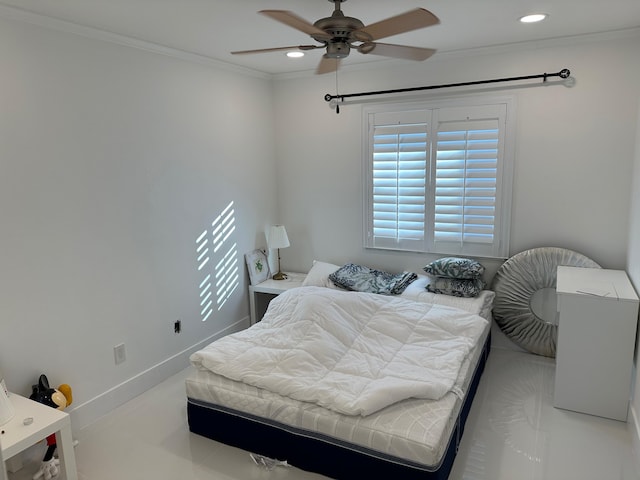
278	239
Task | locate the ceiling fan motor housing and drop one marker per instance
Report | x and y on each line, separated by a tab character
340	28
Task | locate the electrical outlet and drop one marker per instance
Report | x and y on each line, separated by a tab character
119	354
177	326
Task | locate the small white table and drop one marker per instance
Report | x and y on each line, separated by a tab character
46	420
271	288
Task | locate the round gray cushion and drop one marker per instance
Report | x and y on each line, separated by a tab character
515	283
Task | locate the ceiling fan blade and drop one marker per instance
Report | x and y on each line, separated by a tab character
396	51
294	21
278	49
327	65
405	22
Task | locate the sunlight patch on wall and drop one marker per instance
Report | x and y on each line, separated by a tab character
227	275
226	270
222	275
202	251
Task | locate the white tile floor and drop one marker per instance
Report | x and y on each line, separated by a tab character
513	433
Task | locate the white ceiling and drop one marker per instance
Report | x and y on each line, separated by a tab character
213	28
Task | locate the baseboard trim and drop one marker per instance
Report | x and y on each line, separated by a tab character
634	427
90	411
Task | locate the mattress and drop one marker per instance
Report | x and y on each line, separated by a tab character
414	432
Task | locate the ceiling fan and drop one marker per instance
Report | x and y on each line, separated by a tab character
338	34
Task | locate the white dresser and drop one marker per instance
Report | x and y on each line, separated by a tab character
598	312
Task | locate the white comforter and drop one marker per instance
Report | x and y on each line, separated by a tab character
353	353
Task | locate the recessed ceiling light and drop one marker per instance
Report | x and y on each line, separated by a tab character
295	54
533	18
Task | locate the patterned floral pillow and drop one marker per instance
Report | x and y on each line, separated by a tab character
364	279
456	287
455	267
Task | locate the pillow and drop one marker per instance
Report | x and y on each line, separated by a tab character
417	287
455	267
456	287
364	279
318	276
482	304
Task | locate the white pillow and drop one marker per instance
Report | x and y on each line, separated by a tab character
318	276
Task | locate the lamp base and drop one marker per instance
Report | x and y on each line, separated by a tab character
280	276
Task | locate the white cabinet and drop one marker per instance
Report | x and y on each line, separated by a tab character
596	339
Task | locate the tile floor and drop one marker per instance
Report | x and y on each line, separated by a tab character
513	433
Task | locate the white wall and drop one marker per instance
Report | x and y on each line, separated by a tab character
574	150
112	162
633	268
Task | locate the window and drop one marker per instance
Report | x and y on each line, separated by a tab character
438	177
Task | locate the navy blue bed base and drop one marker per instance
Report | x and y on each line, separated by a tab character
319	453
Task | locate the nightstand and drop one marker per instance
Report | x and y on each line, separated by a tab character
18	435
261	294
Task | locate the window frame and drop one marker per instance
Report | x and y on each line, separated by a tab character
499	248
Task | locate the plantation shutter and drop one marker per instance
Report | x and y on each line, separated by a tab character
438	178
468	152
400	152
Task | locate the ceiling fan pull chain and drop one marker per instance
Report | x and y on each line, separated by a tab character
337	104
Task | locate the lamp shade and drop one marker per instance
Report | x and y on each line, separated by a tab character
278	237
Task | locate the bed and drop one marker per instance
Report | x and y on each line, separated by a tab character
396	437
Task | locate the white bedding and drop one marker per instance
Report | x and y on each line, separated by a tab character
353	353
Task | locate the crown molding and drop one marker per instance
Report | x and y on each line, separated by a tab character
25	16
544	43
443	55
20	15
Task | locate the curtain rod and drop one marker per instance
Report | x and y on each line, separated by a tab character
564	73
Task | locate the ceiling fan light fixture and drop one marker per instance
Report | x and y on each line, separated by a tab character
295	54
338	50
533	18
